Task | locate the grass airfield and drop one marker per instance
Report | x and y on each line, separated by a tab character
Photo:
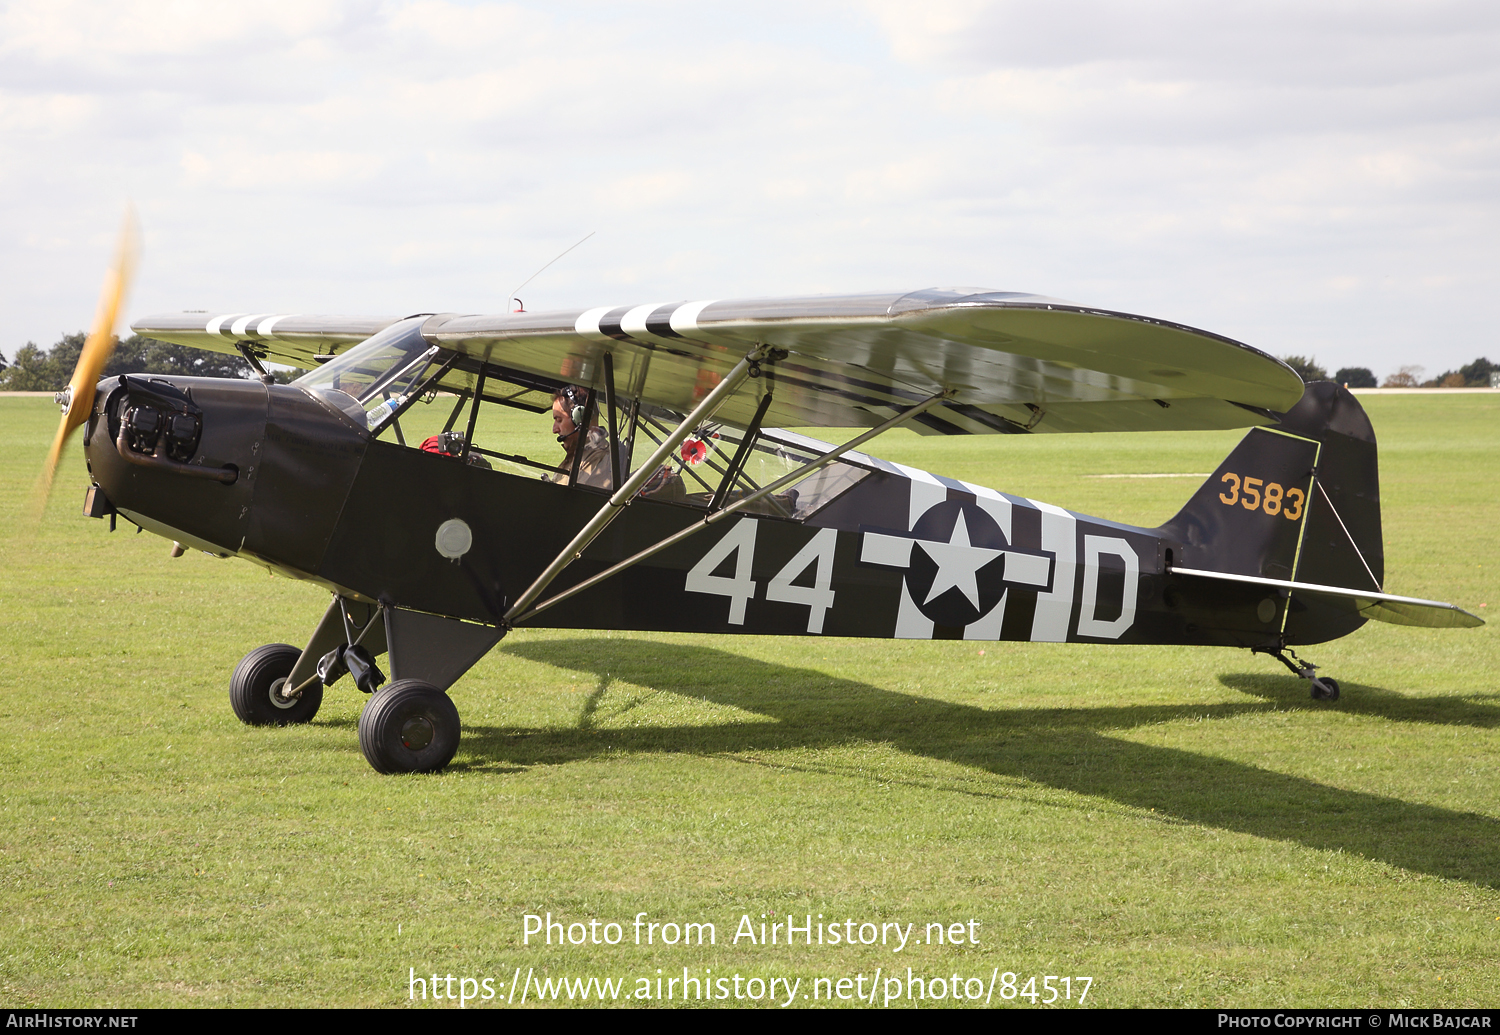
1183	825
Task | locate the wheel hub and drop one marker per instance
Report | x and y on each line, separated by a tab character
278	697
417	732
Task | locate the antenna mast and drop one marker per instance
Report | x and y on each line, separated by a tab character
538	273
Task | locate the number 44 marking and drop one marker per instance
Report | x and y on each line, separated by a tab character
740	588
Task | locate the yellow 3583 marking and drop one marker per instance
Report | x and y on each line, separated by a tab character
1255	494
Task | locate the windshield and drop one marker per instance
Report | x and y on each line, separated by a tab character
375	371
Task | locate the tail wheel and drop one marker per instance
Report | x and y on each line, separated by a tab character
1325	689
409	727
257	690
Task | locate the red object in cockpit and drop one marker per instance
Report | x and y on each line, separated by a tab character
693	451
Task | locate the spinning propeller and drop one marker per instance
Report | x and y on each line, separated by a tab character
77	400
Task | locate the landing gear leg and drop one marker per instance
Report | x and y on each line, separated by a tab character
1323	688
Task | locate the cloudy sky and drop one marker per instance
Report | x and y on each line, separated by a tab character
1312	177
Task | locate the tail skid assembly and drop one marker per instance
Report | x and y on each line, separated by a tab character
1323	688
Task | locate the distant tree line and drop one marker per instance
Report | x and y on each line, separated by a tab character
1474	375
34	369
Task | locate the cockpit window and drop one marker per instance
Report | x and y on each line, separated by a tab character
375	372
695	475
425	398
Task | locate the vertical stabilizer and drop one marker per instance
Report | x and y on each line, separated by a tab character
1298	501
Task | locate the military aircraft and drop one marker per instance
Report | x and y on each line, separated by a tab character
696	512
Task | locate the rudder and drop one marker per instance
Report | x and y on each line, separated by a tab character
1342	544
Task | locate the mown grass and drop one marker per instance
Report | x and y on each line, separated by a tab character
1183	825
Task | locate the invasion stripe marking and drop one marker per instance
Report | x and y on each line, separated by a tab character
587	323
216	325
659	323
993	421
237	329
926	493
874	386
916	474
819	386
684	319
980	492
634	321
609	323
938	424
989	626
622	323
263	329
1054	609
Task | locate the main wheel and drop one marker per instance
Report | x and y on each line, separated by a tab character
259	680
409	727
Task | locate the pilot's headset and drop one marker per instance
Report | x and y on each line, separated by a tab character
578	407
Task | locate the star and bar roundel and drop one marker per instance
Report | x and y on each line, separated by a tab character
964	571
958	565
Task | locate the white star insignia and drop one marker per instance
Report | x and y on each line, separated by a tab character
958	563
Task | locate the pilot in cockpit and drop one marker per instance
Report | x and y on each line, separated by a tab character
570	409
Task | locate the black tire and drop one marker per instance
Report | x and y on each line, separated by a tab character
1330	691
409	727
255	688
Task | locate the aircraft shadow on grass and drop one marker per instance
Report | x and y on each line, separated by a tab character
1069	749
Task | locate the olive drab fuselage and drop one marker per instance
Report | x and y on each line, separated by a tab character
900	553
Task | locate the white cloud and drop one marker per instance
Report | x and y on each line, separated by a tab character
1312	177
72	33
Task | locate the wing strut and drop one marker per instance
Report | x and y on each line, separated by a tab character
614	425
740	504
746	444
615	505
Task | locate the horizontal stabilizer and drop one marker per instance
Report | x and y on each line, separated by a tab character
1383	607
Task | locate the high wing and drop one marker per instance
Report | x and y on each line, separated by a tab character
1014	362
